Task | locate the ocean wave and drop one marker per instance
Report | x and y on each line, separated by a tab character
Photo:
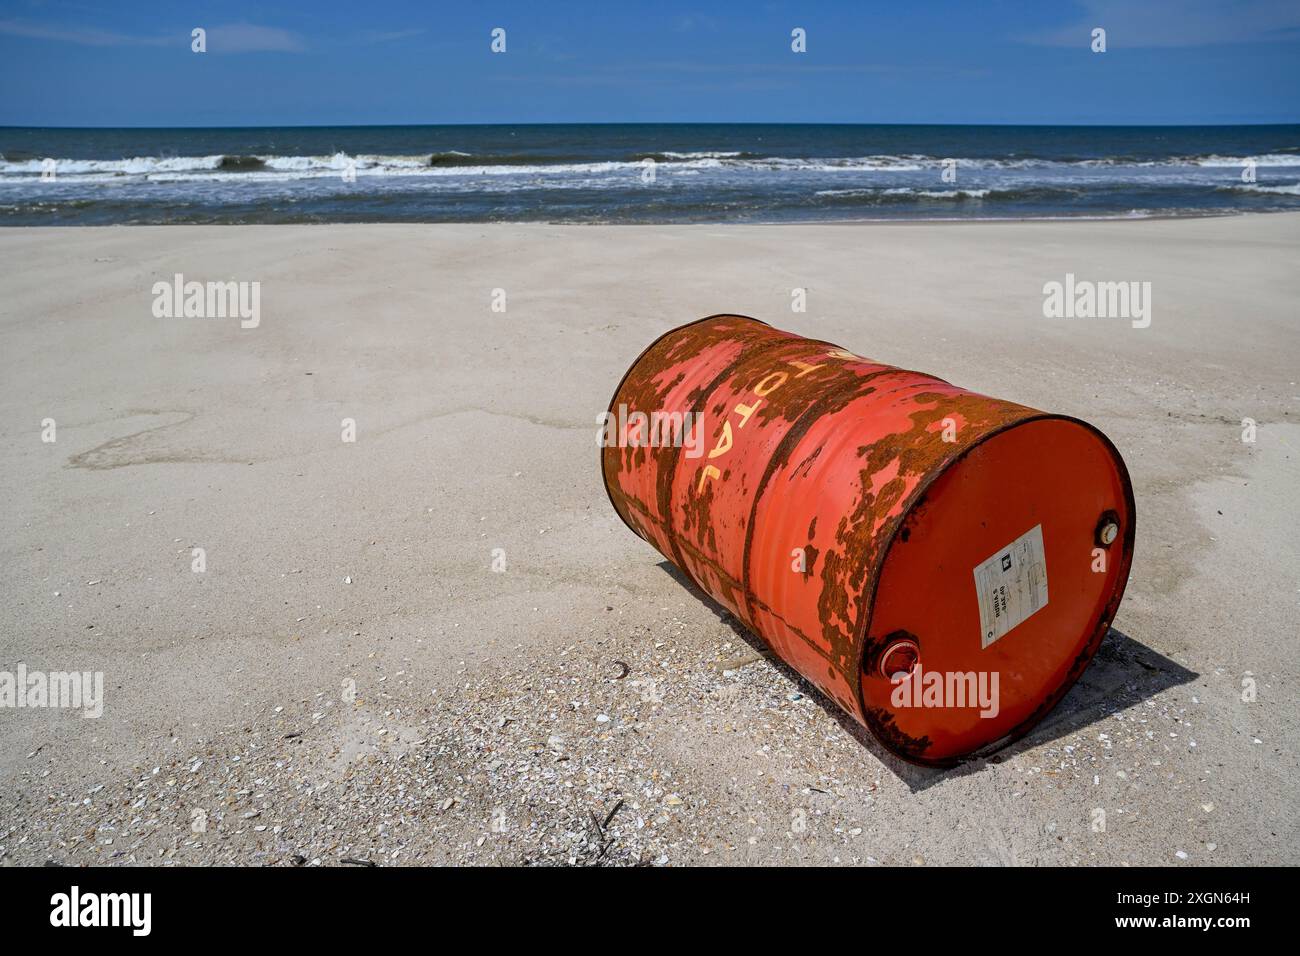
901	195
243	163
134	166
451	162
668	156
268	168
1208	160
493	171
454	158
1267	159
1037	162
340	162
907	192
836	164
457	162
1288	189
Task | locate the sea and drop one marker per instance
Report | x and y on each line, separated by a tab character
642	173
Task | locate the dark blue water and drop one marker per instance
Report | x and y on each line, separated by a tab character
641	173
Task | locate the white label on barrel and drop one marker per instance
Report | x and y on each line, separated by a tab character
1011	585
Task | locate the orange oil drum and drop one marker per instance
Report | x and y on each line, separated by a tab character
941	564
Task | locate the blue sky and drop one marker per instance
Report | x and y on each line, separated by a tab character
329	62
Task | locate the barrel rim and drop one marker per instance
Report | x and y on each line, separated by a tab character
1089	649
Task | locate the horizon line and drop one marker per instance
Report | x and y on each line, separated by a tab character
4	126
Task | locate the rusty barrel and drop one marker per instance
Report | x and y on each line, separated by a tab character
941	564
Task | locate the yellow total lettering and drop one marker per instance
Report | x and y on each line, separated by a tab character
745	411
724	441
779	376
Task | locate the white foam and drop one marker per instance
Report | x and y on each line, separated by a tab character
909	191
704	154
1268	159
135	166
1291	189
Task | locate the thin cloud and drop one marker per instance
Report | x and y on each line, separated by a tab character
689	22
224	38
386	36
251	38
1179	23
78	35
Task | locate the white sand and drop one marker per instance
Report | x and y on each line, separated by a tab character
475	431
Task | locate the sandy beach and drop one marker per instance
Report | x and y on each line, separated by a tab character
349	678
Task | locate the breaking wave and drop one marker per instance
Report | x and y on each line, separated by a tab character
1290	189
458	163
